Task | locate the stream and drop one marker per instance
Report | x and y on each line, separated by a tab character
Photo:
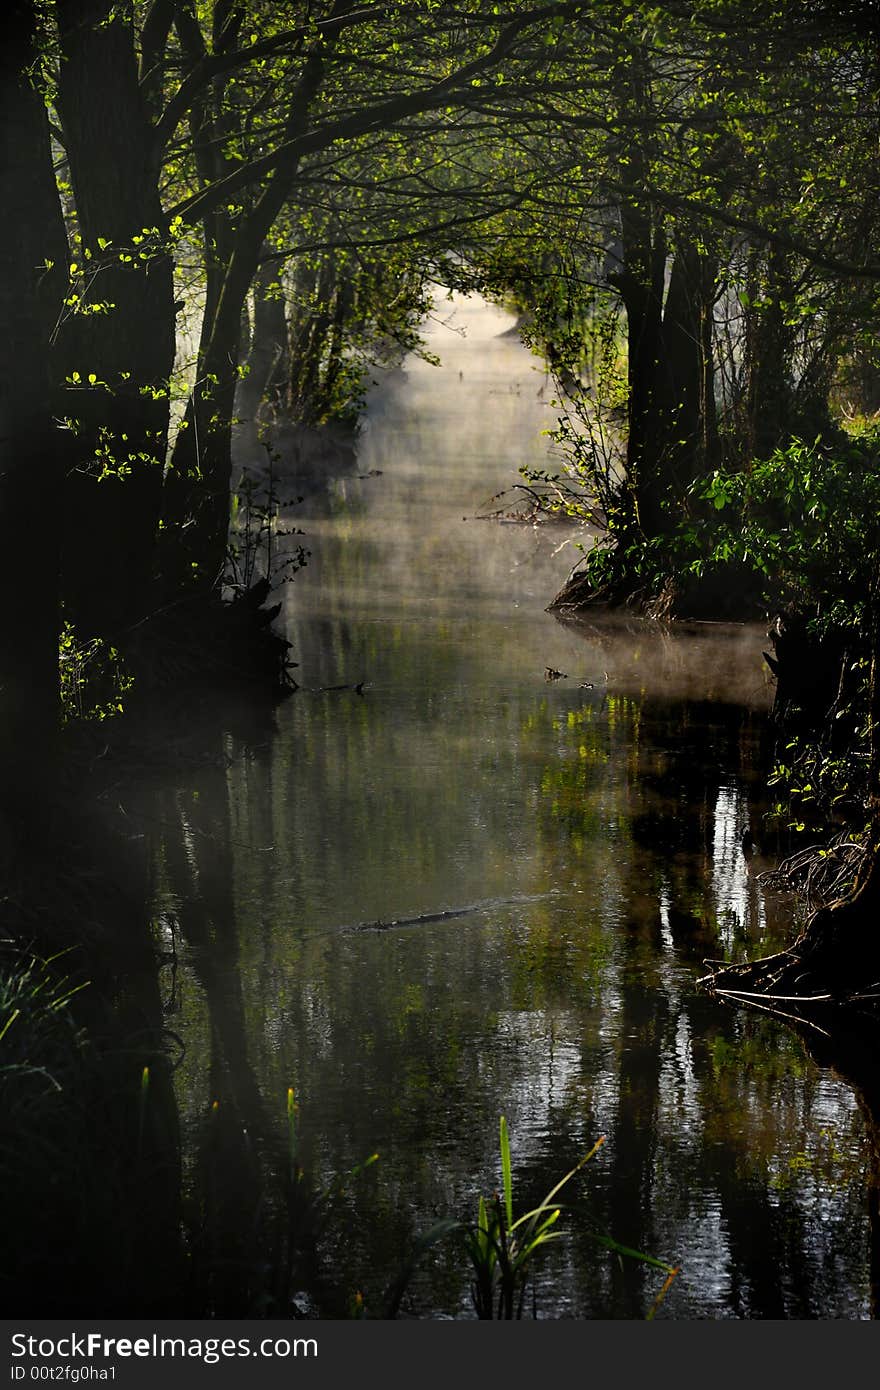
438	887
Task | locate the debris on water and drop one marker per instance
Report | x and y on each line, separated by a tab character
348	685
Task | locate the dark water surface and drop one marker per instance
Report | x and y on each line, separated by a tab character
593	837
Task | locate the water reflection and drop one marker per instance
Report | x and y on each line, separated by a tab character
592	826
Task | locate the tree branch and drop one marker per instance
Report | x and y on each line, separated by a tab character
824	260
381	114
154	37
211	65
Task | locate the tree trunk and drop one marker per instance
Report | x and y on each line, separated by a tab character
641	286
197	486
198	482
113	496
31	234
685	394
671	410
768	346
307	351
343	307
265	353
268	359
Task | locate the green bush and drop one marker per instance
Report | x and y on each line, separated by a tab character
805	523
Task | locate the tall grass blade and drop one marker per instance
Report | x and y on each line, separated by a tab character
618	1249
291	1133
506	1174
9	1022
142	1109
576	1169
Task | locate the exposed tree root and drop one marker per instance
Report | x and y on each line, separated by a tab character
787	987
723	595
829	980
205	641
823	874
580	591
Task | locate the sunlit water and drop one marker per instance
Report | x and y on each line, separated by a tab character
591	827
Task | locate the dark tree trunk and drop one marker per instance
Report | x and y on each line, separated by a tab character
113	496
307	351
268	359
197	487
344	302
31	234
266	355
686	394
768	346
671	412
197	490
641	287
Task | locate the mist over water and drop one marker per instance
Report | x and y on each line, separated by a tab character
586	833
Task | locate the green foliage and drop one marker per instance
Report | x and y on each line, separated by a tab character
36	1031
815	786
501	1246
41	1058
806	522
93	678
799	531
254	552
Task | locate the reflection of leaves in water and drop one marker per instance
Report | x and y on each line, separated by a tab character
345	501
580	794
748	1054
822	1162
554	968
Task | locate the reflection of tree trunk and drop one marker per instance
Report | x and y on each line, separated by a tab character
643	1022
854	1059
152	1144
136	1117
99	1212
872	1117
838	952
237	1137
